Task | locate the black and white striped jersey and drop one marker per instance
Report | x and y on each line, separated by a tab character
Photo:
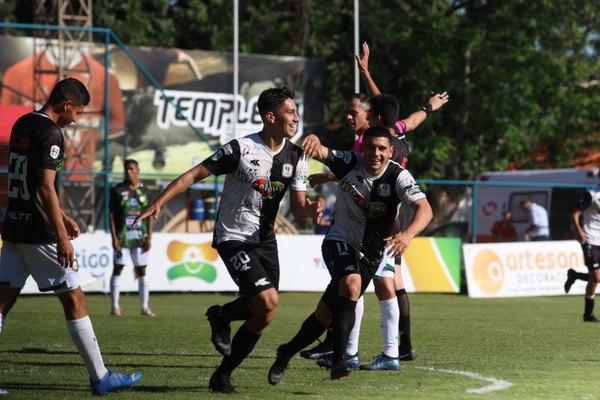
257	179
367	206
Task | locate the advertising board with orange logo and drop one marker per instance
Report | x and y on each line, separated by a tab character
186	262
521	269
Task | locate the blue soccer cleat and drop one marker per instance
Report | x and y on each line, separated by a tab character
383	363
352	362
113	381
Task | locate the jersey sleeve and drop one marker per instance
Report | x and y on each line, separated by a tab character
401	127
341	162
299	181
407	188
584	201
51	145
225	160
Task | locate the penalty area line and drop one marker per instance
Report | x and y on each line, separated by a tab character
495	384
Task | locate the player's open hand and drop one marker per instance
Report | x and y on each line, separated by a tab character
313	148
438	100
362	59
397	245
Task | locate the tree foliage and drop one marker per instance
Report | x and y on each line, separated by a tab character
522	75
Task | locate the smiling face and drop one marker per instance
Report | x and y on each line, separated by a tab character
377	150
285	119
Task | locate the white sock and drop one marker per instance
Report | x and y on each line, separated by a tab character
115	290
2	318
82	334
352	346
144	292
390	316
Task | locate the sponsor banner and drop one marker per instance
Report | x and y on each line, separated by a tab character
432	265
158	128
522	269
184	262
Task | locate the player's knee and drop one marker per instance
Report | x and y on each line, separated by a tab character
384	288
350	286
140	271
264	303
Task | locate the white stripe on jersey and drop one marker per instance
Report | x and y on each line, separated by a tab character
257	178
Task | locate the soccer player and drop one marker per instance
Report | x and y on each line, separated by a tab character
260	168
380	110
127	200
588	234
371	186
37	232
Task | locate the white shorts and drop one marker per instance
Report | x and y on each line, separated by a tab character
19	260
386	268
137	255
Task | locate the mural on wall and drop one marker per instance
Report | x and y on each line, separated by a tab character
150	125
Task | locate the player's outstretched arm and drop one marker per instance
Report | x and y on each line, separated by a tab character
362	61
435	103
320	178
179	185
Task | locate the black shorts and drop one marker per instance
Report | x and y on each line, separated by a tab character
591	256
342	260
253	267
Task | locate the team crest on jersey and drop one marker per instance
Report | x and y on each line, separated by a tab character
54	152
134	202
287	171
376	209
384	190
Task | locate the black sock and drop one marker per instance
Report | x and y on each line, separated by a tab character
342	323
241	346
404	321
328	341
589	306
310	331
236	310
582	276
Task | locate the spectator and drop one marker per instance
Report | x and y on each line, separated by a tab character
537	217
504	230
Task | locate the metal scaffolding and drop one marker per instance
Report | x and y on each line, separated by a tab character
58	54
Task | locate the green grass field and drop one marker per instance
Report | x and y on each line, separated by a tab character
537	345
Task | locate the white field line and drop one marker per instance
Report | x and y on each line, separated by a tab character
495	384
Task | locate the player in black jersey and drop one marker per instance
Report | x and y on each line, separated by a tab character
37	232
370	188
260	168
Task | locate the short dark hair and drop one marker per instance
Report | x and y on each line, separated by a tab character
362	98
130	161
272	99
377	131
69	89
386	107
